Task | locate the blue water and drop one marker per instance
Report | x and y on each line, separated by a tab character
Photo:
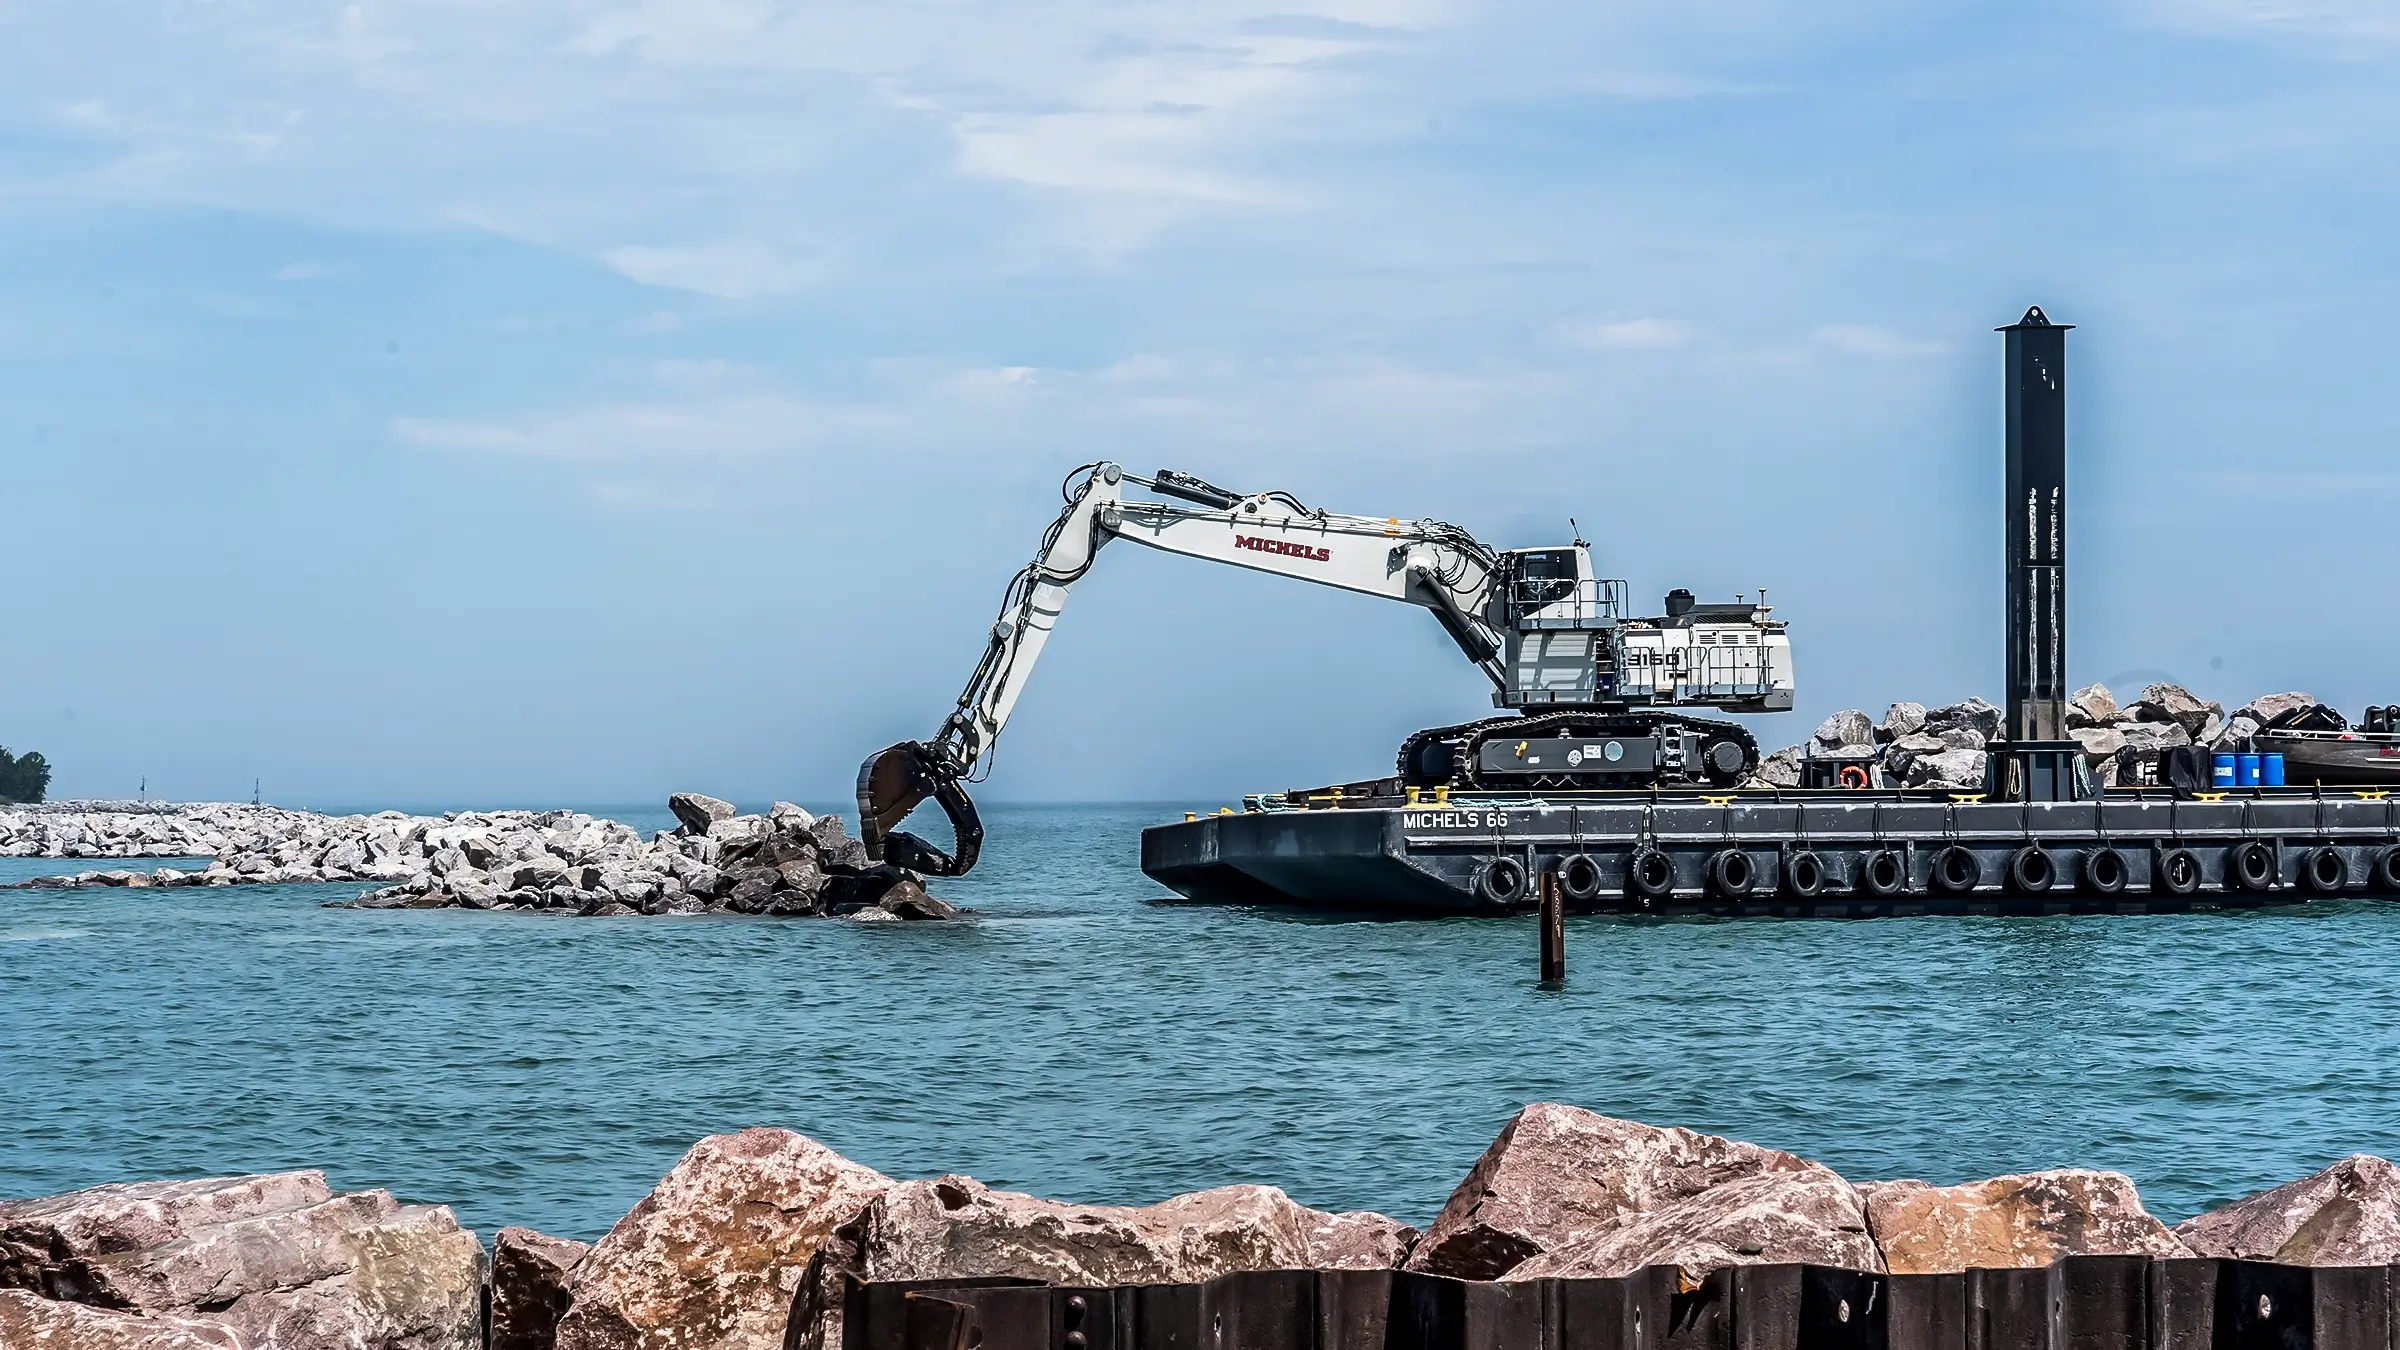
1079	1042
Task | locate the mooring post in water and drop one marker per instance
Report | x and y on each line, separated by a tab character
1554	930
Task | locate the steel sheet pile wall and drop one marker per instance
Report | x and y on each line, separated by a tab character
2081	1303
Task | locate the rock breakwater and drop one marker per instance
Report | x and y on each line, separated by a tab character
743	1245
786	862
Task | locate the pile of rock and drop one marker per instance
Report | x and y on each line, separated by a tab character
743	1245
1943	748
786	862
1913	746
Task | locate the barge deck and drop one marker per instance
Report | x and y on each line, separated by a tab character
1830	853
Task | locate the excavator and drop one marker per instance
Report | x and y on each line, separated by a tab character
1599	698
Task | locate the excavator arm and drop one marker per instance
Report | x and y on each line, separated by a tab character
1428	563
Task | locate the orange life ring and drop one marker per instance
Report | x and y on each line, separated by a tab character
1854	776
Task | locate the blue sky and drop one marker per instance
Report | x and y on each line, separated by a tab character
515	402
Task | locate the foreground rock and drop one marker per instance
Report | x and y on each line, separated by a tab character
531	1276
956	1226
784	863
1584	1192
2030	1219
275	1261
2346	1215
711	1258
31	1322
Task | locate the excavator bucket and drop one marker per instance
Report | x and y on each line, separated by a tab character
892	783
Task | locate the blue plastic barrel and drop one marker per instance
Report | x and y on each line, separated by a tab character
2220	770
2245	770
2270	769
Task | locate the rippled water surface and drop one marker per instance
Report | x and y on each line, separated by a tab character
1077	1041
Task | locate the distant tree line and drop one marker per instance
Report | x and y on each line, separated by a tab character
23	778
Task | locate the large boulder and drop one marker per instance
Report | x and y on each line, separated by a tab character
2173	703
2031	1219
1782	768
2346	1215
1955	770
1812	1217
710	1258
1972	715
2098	742
531	1276
1559	1179
2267	707
1903	753
52	1244
2092	706
955	1227
697	812
1902	719
30	1322
1845	728
2152	737
275	1259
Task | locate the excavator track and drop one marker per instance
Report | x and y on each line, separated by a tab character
1457	768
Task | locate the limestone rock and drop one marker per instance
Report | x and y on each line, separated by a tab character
1357	1240
1782	768
2172	703
954	1227
1903	753
835	847
2235	738
531	1274
2098	742
710	1258
1974	714
2031	1219
274	1259
1904	719
909	900
2151	737
51	1244
2267	707
2092	706
2346	1215
1812	1217
1844	728
1559	1179
31	1322
698	812
1956	770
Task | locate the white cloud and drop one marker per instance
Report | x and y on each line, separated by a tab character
2376	20
1628	334
731	269
1859	339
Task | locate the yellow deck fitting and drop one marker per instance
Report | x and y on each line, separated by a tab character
1224	810
2208	796
1412	795
1441	795
2375	796
1966	796
1718	801
1191	815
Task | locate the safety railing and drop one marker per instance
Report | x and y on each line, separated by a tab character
1565	602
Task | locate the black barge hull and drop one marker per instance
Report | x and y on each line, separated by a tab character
1862	858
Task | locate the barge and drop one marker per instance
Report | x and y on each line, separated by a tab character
1831	853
